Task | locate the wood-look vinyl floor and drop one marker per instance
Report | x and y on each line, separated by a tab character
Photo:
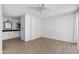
39	46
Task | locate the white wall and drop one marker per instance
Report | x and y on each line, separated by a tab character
0	29
28	31
60	27
36	28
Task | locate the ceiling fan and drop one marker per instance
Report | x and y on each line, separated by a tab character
41	8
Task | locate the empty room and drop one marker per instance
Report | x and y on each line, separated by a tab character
39	28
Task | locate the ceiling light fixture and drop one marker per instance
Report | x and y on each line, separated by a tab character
41	9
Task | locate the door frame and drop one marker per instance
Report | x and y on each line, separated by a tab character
76	27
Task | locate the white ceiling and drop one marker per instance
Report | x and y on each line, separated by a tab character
16	10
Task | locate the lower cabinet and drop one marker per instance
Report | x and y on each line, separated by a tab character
11	35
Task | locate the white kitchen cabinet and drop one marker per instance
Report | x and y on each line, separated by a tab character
6	35
11	35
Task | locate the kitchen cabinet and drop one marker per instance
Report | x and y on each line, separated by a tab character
11	35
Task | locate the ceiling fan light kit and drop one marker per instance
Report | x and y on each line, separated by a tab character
40	8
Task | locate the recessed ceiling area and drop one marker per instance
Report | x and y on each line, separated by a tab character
17	10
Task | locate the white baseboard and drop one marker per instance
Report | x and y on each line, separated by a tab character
35	37
59	39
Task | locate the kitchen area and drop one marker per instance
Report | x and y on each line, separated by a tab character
11	28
